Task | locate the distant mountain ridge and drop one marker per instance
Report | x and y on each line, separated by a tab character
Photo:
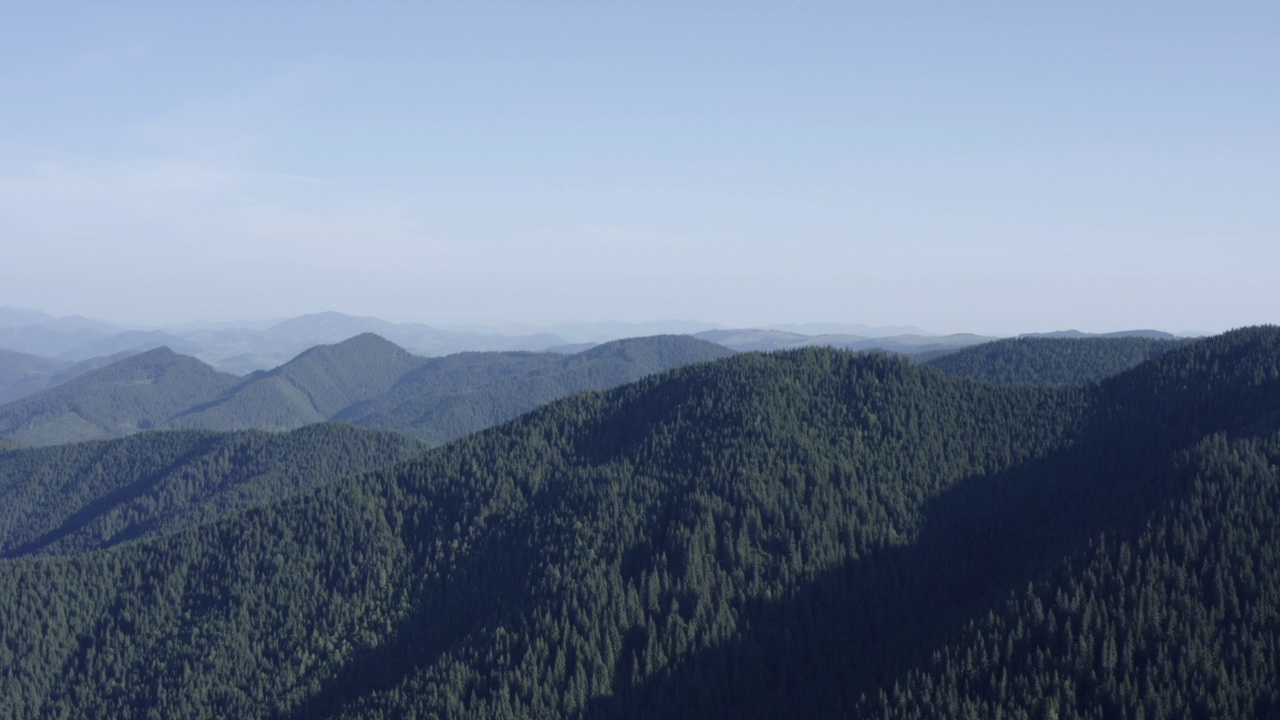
757	339
1149	334
456	395
1053	359
366	380
240	350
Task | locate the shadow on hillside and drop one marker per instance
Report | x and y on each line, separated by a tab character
855	630
472	592
104	504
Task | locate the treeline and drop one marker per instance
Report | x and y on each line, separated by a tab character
809	533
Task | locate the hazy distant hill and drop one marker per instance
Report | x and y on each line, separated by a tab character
130	341
754	339
459	394
1150	334
1052	360
22	374
315	386
240	350
93	495
366	380
138	393
22	317
870	331
812	533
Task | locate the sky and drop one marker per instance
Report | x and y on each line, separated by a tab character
963	167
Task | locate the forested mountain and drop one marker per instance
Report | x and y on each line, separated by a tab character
1051	360
365	380
22	374
456	395
802	534
141	392
92	495
313	387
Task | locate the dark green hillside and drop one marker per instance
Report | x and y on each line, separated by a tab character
87	496
1051	361
1176	618
312	387
9	444
138	393
601	511
459	394
802	534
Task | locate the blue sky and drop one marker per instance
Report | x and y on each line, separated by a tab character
985	167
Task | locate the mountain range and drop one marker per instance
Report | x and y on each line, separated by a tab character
365	380
238	349
807	533
241	348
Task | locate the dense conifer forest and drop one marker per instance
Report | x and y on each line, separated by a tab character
87	496
1051	361
809	533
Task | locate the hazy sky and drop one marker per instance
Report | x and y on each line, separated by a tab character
987	167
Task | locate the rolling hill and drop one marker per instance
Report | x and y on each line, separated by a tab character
140	392
456	395
365	380
313	387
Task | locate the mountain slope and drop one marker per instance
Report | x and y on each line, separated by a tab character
140	392
365	380
809	533
313	387
456	395
89	496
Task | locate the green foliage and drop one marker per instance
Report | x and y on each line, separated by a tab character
800	534
1050	361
